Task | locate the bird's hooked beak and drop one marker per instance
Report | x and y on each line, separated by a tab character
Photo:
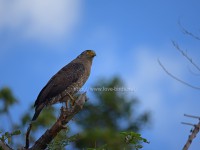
91	53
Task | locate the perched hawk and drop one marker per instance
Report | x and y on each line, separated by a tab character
66	82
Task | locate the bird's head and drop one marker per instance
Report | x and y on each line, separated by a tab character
88	54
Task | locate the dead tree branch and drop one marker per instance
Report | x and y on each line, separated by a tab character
65	116
193	133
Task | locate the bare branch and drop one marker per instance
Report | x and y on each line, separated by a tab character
176	78
186	123
66	115
185	31
185	55
193	134
4	146
191	116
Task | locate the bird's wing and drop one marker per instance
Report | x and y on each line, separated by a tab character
60	81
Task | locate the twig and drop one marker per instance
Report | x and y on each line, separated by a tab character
176	78
191	116
185	123
185	55
194	131
66	115
187	32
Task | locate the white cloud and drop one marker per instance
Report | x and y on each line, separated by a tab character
40	18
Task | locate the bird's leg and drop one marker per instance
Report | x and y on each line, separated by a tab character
64	100
66	103
72	100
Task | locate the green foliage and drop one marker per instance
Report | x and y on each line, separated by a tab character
7	135
130	138
8	99
46	118
110	113
62	140
134	139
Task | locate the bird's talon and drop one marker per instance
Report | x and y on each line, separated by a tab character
72	100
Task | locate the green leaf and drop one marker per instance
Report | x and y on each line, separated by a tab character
7	134
17	132
134	139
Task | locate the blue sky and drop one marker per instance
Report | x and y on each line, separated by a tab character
38	37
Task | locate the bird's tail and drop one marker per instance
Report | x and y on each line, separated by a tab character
37	111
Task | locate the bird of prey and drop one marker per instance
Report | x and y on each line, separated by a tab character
66	82
63	85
